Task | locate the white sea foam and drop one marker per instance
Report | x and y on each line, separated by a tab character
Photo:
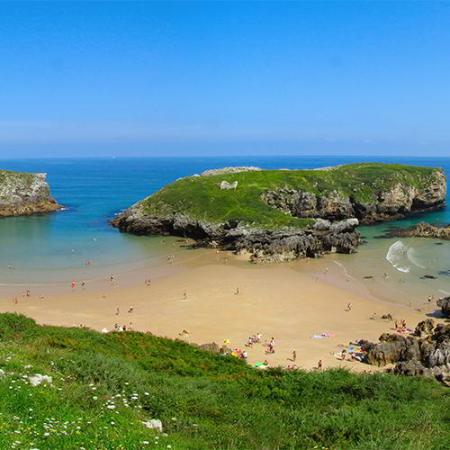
402	257
397	255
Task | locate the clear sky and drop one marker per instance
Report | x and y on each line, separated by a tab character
125	78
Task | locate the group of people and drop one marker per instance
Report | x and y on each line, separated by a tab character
124	327
400	326
254	339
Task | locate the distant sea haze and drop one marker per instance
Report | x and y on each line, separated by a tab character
53	248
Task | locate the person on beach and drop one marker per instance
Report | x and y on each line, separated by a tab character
185	295
271	346
349	307
236	292
117	311
74	284
294	356
250	341
83	284
258	337
319	365
28	293
130	309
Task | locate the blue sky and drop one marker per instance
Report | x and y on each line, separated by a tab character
113	78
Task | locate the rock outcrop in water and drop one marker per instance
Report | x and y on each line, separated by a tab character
424	353
282	215
263	245
25	194
423	229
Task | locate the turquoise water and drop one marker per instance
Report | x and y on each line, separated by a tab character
55	246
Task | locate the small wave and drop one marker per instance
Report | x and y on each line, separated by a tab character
411	253
402	256
344	269
444	292
396	255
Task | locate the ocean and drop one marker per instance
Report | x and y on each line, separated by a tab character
54	248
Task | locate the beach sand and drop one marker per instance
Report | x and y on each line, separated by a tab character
198	294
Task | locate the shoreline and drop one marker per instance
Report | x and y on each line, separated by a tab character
197	293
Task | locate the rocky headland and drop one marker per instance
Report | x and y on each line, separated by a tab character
424	352
423	229
24	194
281	215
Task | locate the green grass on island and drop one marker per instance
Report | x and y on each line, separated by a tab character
105	385
201	198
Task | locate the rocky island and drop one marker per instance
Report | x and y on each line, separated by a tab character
24	194
423	229
281	215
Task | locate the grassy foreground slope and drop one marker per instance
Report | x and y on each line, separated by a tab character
104	386
200	198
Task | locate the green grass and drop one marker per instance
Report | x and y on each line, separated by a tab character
201	198
205	401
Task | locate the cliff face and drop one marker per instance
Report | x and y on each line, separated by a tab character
263	245
283	215
397	201
25	194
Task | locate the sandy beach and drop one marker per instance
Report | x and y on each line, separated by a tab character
220	298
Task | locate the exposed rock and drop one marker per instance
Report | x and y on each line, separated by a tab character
214	348
424	353
397	202
424	328
25	194
228	170
37	379
263	245
154	424
444	304
224	185
423	229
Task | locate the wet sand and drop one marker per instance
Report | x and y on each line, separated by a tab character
198	294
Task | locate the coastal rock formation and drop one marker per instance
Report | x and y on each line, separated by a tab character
25	194
422	229
444	304
263	245
426	352
394	202
280	215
